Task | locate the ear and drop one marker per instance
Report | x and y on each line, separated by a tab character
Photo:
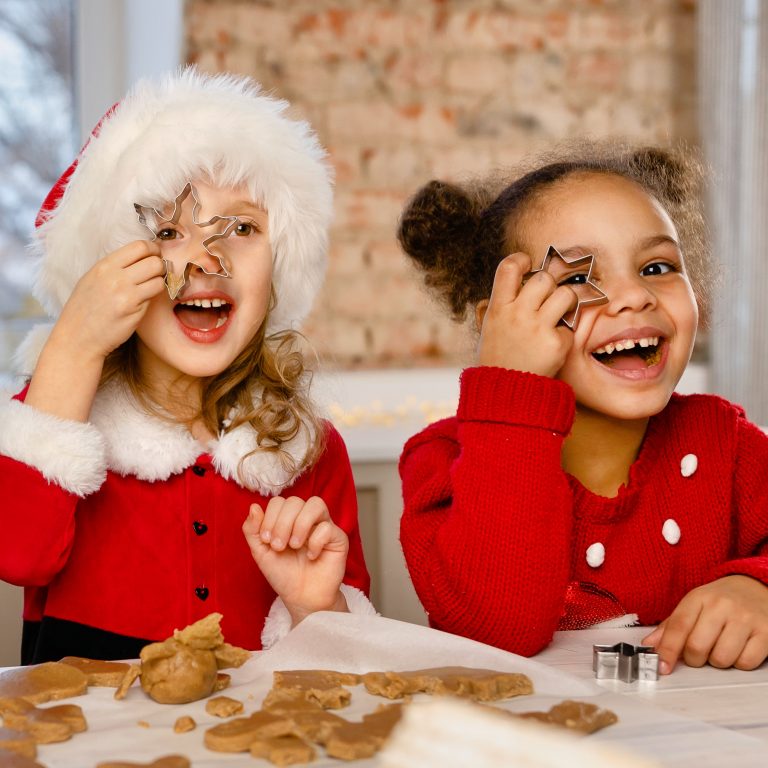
480	309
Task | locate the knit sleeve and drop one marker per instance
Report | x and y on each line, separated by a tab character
487	521
750	505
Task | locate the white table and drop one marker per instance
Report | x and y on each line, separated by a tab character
731	699
695	718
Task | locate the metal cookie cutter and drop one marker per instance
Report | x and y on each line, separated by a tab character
626	662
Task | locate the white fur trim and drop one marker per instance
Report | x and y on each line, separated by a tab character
173	130
139	444
627	620
278	622
68	453
153	449
261	471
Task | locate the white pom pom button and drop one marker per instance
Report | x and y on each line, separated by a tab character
689	464
671	531
595	555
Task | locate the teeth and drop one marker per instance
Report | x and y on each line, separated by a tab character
206	303
620	346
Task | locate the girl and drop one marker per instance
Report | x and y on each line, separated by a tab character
574	488
177	254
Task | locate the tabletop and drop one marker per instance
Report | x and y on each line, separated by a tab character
694	718
729	698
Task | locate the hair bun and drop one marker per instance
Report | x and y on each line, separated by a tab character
438	230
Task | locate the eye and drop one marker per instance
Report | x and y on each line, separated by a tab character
576	279
657	268
244	229
168	233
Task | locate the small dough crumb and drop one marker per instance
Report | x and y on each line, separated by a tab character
183	724
223	706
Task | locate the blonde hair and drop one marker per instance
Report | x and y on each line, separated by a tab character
266	386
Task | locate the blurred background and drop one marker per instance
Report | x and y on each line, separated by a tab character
400	92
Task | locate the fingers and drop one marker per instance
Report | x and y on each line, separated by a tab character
135	252
326	536
730	644
509	279
753	654
677	628
289	522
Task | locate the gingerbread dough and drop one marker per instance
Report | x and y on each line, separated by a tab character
43	682
15	760
237	735
323	687
99	673
223	706
185	667
575	715
169	761
283	750
465	682
44	725
310	720
355	741
184	724
18	742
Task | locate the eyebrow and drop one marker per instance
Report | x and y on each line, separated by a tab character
240	205
575	251
652	242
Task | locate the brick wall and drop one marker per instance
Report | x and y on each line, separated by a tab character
401	92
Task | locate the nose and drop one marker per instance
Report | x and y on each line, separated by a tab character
205	260
628	293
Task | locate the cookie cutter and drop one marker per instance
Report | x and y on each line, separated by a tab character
571	318
173	282
625	662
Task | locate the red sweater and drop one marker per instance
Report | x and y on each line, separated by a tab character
496	534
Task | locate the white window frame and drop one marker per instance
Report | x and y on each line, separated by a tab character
118	42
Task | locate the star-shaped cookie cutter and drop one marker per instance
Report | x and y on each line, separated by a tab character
625	662
571	318
173	282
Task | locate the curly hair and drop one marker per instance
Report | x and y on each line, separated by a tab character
457	234
265	386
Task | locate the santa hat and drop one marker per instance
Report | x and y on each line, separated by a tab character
166	132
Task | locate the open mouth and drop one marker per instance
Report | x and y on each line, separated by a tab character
631	354
203	314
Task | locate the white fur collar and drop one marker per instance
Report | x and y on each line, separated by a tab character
152	449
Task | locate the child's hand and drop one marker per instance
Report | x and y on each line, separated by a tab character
724	623
301	552
520	329
109	301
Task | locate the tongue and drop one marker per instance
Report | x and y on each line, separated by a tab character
627	362
200	319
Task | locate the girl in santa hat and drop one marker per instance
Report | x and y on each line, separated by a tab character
168	412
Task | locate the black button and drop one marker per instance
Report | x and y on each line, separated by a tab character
200	528
202	592
199	471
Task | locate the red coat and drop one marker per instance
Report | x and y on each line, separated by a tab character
158	544
496	535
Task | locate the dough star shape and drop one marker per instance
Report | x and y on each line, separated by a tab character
593	294
175	282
